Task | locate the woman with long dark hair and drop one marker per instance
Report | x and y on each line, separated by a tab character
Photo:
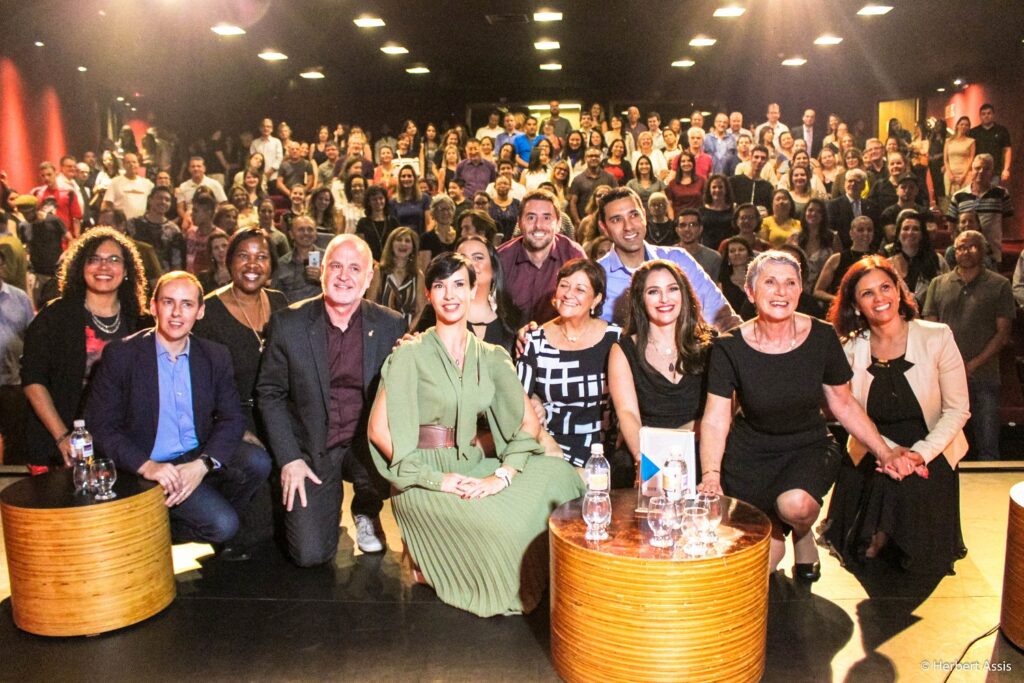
816	239
379	220
686	189
617	163
411	207
102	297
912	255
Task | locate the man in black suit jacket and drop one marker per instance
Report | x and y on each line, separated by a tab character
844	208
808	132
163	404
316	386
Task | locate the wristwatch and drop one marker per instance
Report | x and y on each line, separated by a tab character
208	461
502	473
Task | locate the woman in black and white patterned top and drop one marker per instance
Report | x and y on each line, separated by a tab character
564	366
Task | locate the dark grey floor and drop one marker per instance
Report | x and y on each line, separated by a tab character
362	620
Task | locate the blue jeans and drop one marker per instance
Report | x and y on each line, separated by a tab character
210	514
983	427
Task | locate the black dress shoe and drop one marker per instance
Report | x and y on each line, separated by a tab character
234	554
810	571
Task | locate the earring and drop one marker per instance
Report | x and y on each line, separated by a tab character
857	312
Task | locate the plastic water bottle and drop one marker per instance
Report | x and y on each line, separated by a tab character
598	470
673	476
81	442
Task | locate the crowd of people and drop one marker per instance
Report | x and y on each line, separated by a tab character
454	320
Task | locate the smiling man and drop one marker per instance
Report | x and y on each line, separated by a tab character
531	261
163	404
316	385
622	218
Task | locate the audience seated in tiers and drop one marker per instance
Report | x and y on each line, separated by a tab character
566	234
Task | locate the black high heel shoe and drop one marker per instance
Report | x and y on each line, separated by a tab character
809	571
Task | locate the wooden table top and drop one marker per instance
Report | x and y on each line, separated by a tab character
55	490
742	526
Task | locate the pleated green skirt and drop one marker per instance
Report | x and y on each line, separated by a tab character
489	555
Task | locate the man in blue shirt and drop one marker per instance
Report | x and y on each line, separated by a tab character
525	142
622	218
163	404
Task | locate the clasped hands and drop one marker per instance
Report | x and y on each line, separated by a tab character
471	487
177	481
904	463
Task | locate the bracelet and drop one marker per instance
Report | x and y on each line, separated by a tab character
707	472
66	435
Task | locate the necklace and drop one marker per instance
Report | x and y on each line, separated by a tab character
792	342
103	327
575	338
259	338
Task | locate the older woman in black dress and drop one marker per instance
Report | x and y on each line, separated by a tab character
238	312
909	376
777	453
102	297
656	369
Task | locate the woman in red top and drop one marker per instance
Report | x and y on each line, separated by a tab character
686	189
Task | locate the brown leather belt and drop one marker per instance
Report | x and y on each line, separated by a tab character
436	436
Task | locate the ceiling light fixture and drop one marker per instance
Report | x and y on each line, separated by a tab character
874	10
958	81
551	66
82	69
392	49
368	21
547	15
228	30
120	99
827	39
312	74
547	45
940	90
273	56
40	43
417	70
702	41
794	61
730	11
683	63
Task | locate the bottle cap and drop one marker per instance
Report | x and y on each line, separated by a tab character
79	423
597	448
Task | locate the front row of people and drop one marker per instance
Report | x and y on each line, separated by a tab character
163	404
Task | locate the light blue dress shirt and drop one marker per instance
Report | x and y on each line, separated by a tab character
714	306
176	426
15	316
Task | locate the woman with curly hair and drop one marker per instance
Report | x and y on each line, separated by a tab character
102	297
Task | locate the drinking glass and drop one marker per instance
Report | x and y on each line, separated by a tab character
80	473
661	514
712	502
597	513
102	478
695	526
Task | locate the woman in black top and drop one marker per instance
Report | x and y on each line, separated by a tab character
656	369
378	222
237	313
912	254
777	454
103	295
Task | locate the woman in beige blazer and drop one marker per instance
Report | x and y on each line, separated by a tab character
909	376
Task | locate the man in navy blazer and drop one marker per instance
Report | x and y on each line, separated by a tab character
163	404
318	378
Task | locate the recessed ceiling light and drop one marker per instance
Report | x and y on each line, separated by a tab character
392	49
794	61
874	10
551	66
827	39
228	30
120	99
547	15
134	109
683	63
273	55
958	81
940	90
368	21
40	43
730	11
702	41
547	45
82	69
417	70
312	74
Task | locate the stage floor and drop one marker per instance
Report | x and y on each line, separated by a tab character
361	619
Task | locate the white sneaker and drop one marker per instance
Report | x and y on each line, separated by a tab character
366	535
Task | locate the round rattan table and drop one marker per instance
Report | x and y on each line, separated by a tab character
623	610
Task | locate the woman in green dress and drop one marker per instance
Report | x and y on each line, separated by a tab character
476	526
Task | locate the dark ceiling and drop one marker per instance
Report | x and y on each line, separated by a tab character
612	51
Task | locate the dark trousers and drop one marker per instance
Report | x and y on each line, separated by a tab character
312	531
211	513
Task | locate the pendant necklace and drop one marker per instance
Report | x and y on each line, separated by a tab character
259	338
